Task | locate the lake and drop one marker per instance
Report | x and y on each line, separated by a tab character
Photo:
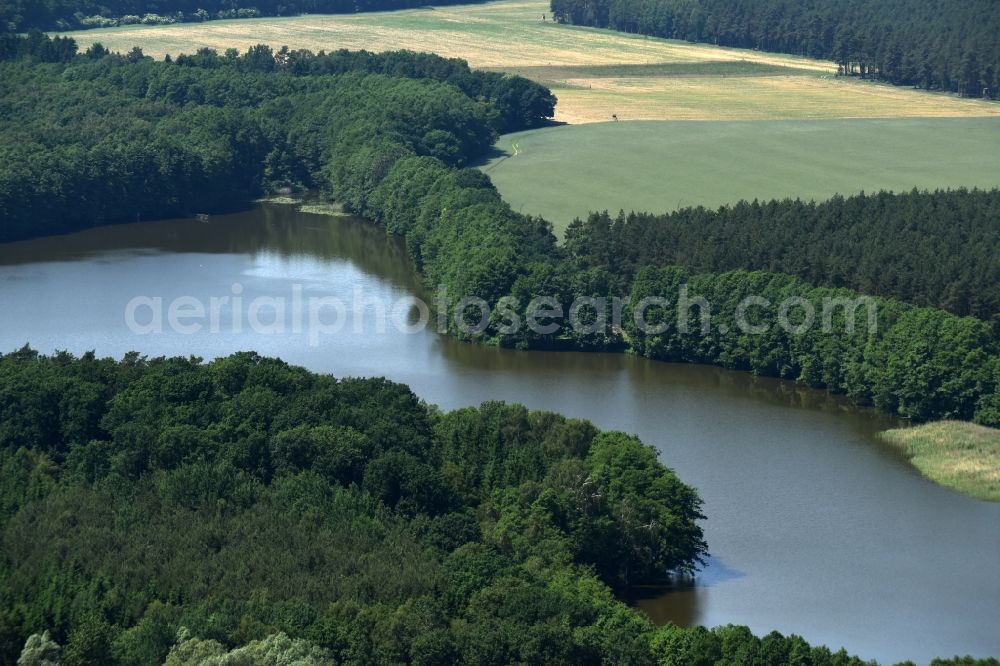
814	527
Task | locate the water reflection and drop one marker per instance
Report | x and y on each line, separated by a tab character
684	600
280	231
681	604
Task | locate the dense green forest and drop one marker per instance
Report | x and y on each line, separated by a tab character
246	511
948	46
244	498
97	138
24	15
935	249
209	132
922	363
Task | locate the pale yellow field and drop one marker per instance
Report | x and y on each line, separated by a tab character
510	35
752	98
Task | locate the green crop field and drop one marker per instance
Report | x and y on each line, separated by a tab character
595	73
565	172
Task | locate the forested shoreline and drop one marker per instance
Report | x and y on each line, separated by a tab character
936	46
396	150
245	497
24	15
922	363
209	132
246	511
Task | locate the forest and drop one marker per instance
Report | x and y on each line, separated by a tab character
934	249
933	45
246	511
168	506
209	132
922	363
24	15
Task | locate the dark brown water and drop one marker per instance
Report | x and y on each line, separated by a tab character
814	527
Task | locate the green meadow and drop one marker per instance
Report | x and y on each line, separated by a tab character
658	166
960	455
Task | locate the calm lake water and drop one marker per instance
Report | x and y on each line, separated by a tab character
814	527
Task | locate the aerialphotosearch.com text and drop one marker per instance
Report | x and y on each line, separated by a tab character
318	316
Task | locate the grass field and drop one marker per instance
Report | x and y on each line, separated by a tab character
565	172
959	455
595	73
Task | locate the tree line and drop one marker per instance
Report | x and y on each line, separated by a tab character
935	249
933	45
24	15
922	363
99	138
